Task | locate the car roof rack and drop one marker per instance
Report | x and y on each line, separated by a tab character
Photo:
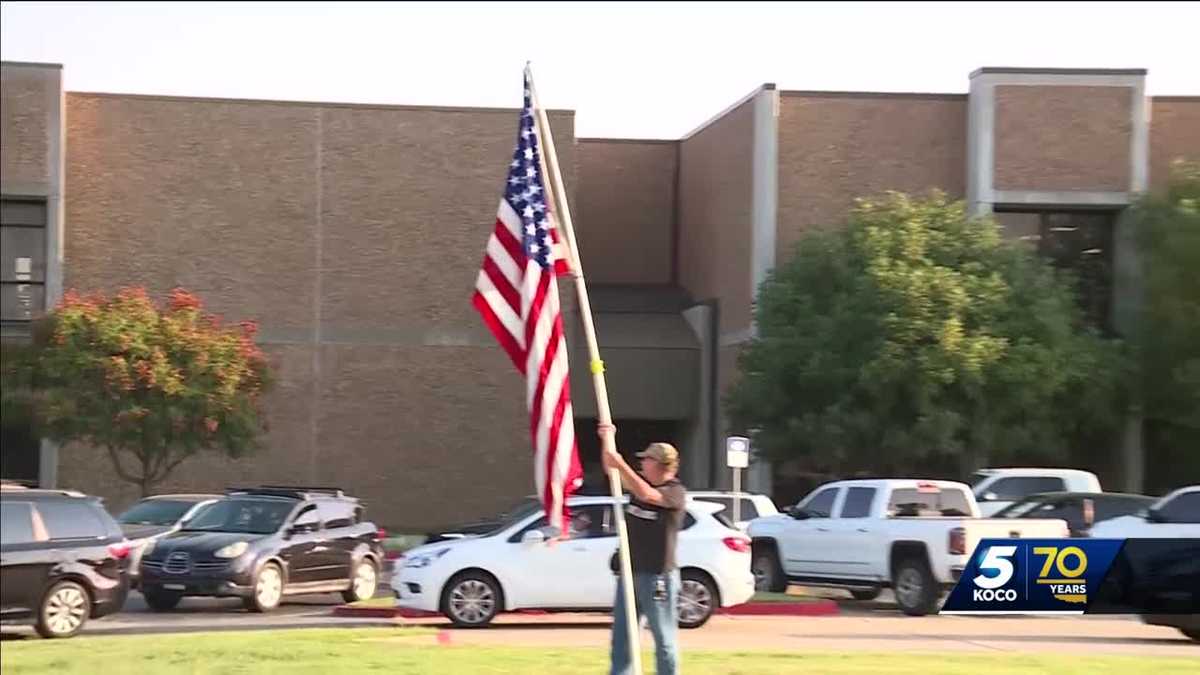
292	491
31	487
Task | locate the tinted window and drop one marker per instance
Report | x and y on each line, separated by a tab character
73	519
1183	509
16	523
1069	510
749	510
251	516
155	512
913	502
1017	487
858	502
821	505
587	522
1114	508
339	514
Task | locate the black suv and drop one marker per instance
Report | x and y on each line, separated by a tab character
63	560
260	544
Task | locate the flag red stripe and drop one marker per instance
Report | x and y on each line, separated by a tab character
506	340
502	284
555	430
535	410
510	243
535	309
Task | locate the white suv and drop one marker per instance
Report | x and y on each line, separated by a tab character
750	505
472	579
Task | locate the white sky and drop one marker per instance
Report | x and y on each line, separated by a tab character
629	70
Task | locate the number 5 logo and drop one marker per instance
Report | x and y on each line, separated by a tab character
996	558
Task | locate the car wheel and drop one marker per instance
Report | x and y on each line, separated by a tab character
363	583
268	589
161	601
768	574
915	588
697	599
471	599
866	594
64	610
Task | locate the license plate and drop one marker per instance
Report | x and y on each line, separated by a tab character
174	587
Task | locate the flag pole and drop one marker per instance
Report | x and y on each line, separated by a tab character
558	197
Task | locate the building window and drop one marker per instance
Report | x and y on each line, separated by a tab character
1078	241
22	260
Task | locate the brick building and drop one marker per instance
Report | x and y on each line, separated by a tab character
353	234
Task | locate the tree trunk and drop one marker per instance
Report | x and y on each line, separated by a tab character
1133	452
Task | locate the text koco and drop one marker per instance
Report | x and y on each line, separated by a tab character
997	595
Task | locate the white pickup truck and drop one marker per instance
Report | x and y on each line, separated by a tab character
913	536
997	489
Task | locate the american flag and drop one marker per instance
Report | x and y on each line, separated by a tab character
516	293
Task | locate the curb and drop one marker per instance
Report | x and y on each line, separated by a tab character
816	608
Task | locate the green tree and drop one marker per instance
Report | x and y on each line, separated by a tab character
1165	335
153	385
915	339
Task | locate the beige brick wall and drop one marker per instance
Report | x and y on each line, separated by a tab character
27	94
835	148
1174	133
219	197
1062	138
390	386
626	211
715	199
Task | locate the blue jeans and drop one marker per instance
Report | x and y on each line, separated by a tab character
663	617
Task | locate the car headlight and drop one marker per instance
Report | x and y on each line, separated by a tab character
147	546
425	559
233	550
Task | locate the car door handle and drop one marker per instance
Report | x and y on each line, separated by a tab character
822	529
318	548
863	529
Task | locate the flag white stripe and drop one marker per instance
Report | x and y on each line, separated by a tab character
497	303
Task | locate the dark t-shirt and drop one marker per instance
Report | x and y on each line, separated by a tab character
653	529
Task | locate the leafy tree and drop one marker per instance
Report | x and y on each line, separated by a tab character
916	339
152	385
1165	334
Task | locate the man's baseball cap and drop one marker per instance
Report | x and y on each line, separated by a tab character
663	453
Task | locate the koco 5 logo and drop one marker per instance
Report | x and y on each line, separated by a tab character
990	587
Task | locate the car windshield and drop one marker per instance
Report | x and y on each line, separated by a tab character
155	512
1020	509
525	508
977	478
249	516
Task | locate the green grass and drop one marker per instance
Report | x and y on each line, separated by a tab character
409	650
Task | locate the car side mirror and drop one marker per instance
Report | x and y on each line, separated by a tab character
1155	516
988	497
798	513
301	528
534	536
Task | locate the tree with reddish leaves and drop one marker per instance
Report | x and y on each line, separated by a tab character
152	384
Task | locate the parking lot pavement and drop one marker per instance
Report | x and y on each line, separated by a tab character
875	626
940	634
205	614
